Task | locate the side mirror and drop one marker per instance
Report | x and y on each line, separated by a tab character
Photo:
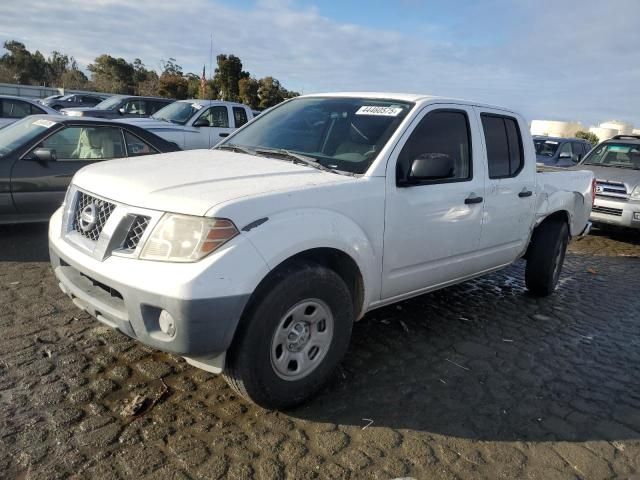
201	122
43	155
121	111
565	155
431	166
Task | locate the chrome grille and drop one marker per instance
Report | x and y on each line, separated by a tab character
607	211
101	212
610	189
136	231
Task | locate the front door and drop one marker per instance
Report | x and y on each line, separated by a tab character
209	128
432	229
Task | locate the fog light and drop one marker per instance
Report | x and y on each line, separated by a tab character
636	216
167	323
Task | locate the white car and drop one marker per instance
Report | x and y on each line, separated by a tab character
14	108
255	258
193	124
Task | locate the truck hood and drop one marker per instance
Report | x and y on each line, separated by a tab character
194	181
631	178
155	125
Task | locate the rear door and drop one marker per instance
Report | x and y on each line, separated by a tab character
39	187
510	190
432	229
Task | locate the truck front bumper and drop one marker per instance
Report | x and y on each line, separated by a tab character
622	212
188	309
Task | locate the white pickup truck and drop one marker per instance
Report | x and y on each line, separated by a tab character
254	259
193	124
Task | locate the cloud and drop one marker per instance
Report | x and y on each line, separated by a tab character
566	60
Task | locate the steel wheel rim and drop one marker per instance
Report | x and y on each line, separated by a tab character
302	339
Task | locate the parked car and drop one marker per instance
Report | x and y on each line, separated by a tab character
616	166
50	97
196	123
74	100
40	154
14	108
120	106
255	258
560	152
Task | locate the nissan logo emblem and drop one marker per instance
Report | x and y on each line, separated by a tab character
88	217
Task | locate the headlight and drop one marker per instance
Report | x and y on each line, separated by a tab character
635	195
183	238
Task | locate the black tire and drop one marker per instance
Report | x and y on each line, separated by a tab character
546	256
249	366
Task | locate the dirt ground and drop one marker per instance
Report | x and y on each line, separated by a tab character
480	380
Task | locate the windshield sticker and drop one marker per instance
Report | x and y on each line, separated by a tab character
380	111
44	123
197	106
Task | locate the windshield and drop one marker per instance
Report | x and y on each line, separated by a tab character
177	112
546	148
110	103
18	133
619	155
339	133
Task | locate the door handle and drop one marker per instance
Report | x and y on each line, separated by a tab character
224	135
525	193
472	200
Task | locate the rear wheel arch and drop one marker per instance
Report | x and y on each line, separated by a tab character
557	216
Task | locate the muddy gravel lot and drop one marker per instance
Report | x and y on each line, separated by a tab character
480	380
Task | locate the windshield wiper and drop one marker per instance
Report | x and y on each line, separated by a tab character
235	148
297	158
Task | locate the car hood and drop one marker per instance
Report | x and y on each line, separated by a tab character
546	159
86	112
195	181
631	178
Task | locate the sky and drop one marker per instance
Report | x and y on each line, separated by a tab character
576	60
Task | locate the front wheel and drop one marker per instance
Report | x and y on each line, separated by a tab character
292	338
546	256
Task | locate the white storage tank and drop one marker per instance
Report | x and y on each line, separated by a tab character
623	128
554	128
603	133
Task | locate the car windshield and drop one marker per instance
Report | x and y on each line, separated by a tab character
546	148
177	112
620	155
18	133
343	134
110	103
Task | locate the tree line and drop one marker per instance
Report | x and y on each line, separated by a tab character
109	74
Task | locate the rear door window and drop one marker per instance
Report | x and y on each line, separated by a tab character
137	147
504	145
239	116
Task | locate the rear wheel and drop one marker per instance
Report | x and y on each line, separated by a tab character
546	256
292	338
